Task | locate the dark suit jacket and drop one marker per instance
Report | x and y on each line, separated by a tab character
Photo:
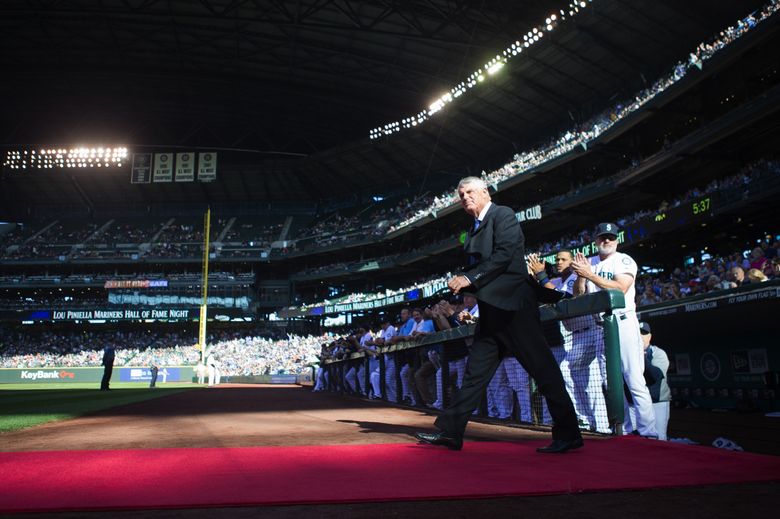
108	356
496	259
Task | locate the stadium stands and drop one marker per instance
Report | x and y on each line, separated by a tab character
363	249
239	353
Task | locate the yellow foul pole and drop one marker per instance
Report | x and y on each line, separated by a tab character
204	291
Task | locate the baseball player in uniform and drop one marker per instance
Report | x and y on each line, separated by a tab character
383	338
200	371
615	270
361	371
355	376
656	367
582	361
214	374
510	380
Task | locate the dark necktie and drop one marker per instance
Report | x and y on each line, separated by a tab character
472	259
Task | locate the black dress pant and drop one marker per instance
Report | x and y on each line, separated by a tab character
107	370
519	333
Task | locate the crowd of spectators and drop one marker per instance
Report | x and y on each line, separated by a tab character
370	223
739	183
100	278
163	299
584	133
132	240
431	283
244	355
105	253
713	274
129	232
181	233
82	349
50	302
52	241
176	250
229	290
239	353
251	233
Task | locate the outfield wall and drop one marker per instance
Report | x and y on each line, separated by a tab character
120	374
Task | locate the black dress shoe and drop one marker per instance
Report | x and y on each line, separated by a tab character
560	446
440	439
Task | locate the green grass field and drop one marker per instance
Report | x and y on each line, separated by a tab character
26	405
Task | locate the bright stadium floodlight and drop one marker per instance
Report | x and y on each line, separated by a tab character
532	36
79	157
495	67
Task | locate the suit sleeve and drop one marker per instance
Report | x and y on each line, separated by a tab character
507	239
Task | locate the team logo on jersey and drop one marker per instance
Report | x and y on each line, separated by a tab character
626	261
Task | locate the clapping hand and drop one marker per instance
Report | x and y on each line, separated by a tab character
535	265
581	265
465	317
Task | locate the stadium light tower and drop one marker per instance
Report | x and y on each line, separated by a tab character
48	157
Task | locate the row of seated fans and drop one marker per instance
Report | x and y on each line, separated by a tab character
253	352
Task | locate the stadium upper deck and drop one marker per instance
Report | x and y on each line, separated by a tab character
304	106
706	115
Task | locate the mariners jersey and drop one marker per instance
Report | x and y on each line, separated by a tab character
388	333
617	263
567	286
366	337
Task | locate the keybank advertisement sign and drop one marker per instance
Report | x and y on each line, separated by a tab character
55	375
40	375
145	375
50	375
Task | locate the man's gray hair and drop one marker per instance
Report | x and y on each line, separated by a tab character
472	180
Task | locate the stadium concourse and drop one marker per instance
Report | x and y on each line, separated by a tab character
288	171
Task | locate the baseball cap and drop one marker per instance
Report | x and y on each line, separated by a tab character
644	328
607	228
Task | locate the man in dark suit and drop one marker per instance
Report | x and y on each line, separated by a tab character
496	274
108	367
153	371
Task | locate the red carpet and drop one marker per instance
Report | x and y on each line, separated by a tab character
190	478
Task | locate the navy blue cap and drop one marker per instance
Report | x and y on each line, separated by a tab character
606	228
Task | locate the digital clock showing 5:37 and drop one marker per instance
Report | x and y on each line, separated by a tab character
701	206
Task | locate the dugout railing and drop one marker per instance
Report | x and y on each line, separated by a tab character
407	357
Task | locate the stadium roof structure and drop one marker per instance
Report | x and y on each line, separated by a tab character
299	84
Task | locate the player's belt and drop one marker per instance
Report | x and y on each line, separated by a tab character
622	317
581	330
